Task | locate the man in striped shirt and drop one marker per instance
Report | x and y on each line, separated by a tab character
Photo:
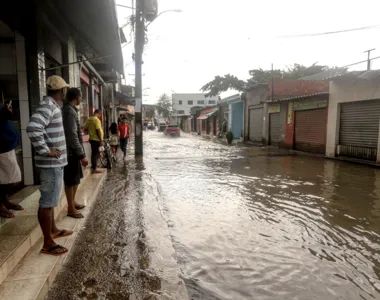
46	132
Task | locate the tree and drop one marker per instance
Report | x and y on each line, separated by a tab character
222	84
229	82
164	105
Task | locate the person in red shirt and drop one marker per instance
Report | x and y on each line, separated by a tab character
124	135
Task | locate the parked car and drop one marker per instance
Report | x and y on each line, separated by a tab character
172	130
151	126
161	127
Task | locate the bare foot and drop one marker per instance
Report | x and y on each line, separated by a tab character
5	213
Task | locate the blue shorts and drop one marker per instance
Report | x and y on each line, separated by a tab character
51	186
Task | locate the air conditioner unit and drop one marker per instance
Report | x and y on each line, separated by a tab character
150	10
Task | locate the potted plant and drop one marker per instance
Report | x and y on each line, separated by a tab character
229	136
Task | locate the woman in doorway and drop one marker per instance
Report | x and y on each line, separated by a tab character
9	170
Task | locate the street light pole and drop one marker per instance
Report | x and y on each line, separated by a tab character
165	11
139	48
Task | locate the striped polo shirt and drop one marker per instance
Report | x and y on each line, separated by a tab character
45	130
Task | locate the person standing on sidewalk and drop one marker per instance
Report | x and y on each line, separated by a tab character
76	157
45	130
9	170
124	136
94	128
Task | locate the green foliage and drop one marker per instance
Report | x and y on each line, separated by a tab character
229	135
164	105
230	82
222	84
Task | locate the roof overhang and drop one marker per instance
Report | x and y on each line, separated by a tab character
290	98
94	26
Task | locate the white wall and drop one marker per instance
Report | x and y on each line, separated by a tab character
341	91
190	97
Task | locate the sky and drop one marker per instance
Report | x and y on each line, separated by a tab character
216	37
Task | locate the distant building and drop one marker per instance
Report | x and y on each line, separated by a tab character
182	103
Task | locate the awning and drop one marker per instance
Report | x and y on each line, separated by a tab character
210	114
203	117
123	99
94	26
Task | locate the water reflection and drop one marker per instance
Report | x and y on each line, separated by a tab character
253	224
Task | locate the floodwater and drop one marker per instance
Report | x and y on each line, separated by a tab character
245	223
249	223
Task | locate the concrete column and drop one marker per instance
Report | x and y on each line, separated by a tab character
91	97
378	148
265	124
27	155
333	121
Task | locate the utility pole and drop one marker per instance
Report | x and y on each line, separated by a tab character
139	48
368	59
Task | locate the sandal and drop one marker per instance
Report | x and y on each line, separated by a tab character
76	216
62	233
13	206
6	214
54	250
79	206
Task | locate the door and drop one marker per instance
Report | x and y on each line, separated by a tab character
359	129
310	130
256	124
274	128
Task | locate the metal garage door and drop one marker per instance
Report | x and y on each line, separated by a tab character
274	128
310	130
256	124
359	129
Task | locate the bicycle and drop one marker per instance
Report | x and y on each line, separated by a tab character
107	157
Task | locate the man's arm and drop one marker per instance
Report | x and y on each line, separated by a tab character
36	128
71	132
99	131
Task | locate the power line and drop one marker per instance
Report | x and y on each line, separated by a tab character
329	32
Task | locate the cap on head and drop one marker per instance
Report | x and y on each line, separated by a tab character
55	83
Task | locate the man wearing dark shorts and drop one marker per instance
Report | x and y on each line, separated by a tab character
76	157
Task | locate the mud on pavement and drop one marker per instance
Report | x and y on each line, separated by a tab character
124	251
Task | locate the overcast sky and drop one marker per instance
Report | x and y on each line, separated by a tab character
217	37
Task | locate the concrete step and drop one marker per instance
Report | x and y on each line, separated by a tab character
33	273
18	235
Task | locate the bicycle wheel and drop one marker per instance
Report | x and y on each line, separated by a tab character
109	159
103	159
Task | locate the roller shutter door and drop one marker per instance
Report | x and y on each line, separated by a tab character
310	130
359	129
256	124
274	128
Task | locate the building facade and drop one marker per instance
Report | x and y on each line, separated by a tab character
182	103
353	117
255	106
38	41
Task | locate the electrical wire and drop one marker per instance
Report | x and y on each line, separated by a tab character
329	32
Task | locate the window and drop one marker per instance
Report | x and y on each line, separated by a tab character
211	102
190	102
181	112
201	102
180	102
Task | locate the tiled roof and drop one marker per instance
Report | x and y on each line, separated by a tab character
300	97
371	74
288	88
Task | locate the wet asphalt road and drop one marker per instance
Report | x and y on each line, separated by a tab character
246	223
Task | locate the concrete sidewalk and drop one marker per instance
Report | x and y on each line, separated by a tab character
25	273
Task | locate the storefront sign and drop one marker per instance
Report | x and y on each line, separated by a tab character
290	113
274	108
310	104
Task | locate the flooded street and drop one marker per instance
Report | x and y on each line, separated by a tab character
245	223
251	224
